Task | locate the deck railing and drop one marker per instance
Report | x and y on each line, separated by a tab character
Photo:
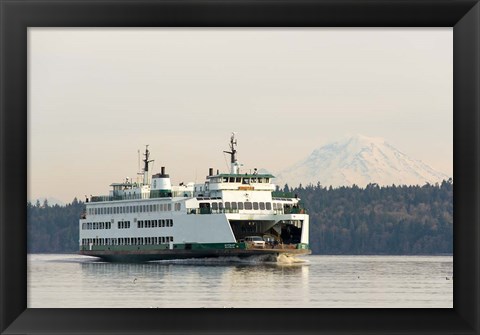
152	195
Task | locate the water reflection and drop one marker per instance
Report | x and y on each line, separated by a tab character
326	281
200	283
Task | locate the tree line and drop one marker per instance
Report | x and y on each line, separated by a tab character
53	229
395	220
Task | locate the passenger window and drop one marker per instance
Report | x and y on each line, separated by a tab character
214	205
248	205
262	206
268	205
240	205
234	205
255	205
227	205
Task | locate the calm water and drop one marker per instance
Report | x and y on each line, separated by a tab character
322	281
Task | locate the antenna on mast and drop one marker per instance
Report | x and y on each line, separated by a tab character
145	168
233	154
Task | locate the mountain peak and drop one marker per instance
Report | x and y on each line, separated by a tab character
353	141
363	138
359	160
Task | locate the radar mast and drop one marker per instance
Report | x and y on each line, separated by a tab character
233	155
145	167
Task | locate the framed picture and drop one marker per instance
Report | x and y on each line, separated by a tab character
19	16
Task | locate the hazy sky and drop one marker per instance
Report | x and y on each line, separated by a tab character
97	96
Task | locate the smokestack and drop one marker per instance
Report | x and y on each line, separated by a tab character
210	172
163	170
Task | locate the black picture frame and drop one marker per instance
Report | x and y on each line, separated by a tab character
17	15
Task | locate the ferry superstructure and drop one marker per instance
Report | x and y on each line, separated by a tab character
153	220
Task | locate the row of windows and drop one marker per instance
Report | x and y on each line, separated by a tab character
126	224
246	205
243	180
128	240
96	225
123	224
134	209
154	223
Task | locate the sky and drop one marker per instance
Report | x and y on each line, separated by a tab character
98	95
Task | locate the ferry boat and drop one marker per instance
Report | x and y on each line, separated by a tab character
230	214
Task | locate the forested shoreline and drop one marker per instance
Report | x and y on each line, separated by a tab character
53	229
392	220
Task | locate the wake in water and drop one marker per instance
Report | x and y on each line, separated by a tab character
290	260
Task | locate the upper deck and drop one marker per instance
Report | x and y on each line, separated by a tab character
226	186
212	187
250	182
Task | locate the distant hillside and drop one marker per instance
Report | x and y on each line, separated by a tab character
359	160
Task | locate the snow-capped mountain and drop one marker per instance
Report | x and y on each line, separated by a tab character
358	160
